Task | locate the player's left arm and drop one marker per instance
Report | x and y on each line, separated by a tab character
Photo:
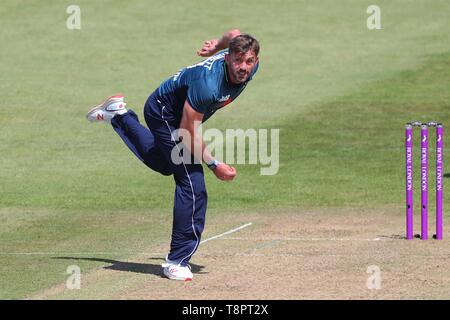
213	46
190	121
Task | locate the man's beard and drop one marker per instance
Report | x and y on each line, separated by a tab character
241	76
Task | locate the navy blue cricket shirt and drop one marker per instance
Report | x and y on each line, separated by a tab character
205	85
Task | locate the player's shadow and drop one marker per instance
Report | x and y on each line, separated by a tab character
146	268
446	175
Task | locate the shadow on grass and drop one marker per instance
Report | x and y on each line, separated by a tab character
446	175
146	268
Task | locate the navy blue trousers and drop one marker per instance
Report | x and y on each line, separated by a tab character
153	146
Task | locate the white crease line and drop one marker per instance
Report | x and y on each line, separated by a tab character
228	232
369	255
305	239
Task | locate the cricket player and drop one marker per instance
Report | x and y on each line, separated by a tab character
173	113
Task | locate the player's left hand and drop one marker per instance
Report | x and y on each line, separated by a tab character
209	48
225	172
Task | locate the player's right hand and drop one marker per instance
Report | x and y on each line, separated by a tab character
225	172
209	48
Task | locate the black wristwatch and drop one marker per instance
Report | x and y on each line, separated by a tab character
213	165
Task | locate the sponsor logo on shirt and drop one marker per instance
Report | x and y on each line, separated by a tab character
208	63
224	98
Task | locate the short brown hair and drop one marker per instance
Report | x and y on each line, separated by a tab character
243	43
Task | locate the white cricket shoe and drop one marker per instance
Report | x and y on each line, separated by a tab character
174	271
106	110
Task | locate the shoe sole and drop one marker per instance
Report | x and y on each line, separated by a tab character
100	106
172	277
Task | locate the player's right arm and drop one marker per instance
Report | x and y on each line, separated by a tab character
213	46
190	121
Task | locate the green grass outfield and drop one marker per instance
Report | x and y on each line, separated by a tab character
339	93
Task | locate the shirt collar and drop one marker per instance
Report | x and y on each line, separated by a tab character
225	71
